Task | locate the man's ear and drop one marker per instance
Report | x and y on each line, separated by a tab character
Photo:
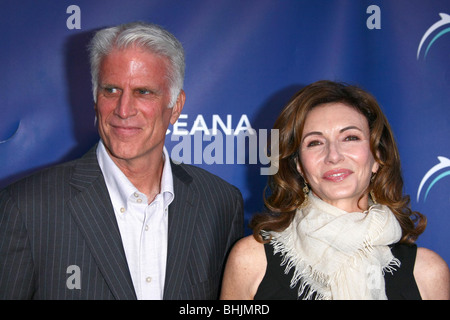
96	112
178	107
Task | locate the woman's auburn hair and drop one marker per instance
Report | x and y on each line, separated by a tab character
284	191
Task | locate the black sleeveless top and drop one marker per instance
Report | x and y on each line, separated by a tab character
400	285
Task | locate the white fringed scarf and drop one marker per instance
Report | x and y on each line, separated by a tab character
339	255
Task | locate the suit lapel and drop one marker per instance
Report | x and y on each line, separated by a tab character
94	214
183	213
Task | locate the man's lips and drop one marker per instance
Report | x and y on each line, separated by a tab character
125	130
337	175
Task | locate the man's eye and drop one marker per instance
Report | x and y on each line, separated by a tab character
143	91
110	90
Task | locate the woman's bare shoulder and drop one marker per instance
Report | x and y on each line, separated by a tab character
432	275
244	270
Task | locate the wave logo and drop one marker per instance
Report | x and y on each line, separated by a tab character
443	164
445	21
9	134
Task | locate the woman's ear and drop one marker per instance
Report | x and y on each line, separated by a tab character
376	165
299	168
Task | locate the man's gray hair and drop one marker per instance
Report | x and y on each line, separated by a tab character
148	36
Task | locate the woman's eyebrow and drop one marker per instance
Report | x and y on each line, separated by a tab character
312	133
349	128
318	133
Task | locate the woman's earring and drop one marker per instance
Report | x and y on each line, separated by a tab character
306	190
305	194
372	194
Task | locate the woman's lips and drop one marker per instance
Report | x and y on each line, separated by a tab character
337	175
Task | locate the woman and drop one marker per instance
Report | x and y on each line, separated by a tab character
339	226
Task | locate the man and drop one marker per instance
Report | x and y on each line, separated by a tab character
123	221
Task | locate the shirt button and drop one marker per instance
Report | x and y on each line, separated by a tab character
139	200
146	227
122	209
148	279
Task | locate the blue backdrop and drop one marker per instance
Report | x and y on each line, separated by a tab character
245	58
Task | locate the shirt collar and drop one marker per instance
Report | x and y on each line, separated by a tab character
167	180
120	188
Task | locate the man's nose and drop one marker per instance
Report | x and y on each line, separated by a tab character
125	105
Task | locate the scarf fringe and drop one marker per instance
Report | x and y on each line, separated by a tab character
308	278
314	284
303	273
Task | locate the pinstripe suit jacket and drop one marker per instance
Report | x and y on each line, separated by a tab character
63	216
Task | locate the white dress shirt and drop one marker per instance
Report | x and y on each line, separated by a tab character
143	226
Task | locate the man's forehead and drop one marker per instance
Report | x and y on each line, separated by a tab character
140	65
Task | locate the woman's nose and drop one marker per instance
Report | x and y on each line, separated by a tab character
334	154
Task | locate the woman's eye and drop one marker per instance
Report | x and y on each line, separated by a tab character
313	143
352	138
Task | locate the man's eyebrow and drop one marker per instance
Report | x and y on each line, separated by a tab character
107	85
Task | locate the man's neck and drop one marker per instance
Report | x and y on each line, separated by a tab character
144	173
